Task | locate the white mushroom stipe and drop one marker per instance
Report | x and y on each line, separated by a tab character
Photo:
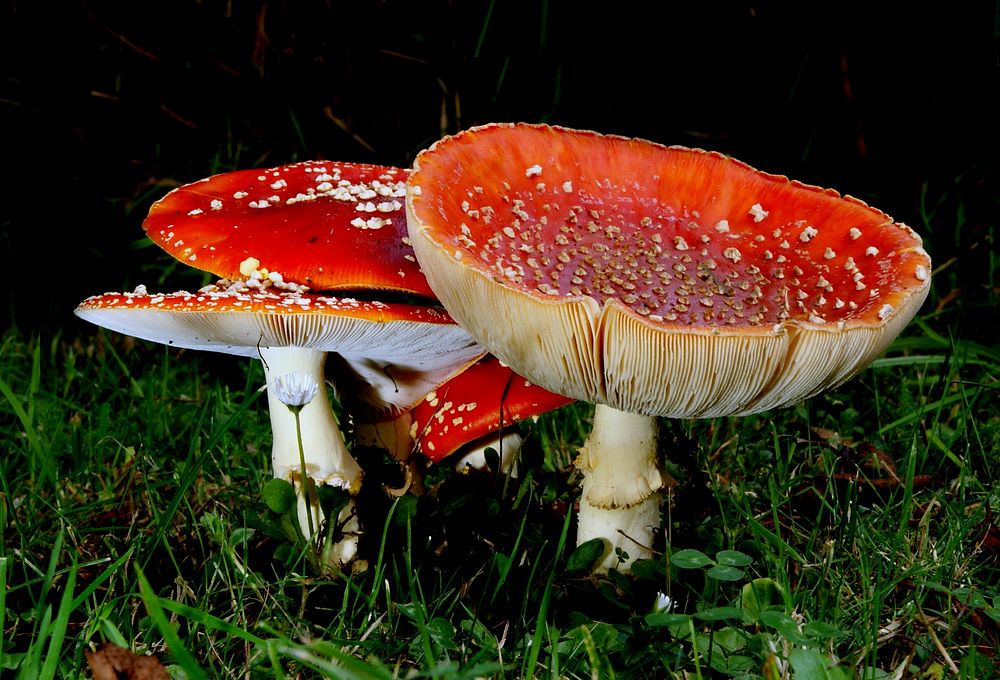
620	500
329	461
507	446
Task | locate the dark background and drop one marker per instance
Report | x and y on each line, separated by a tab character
105	106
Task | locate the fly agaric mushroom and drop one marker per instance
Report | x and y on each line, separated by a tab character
654	281
396	352
320	225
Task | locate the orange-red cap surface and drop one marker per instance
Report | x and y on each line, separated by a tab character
323	224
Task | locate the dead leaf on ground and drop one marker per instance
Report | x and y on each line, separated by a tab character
112	662
863	463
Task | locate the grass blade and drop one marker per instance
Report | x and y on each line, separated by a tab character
58	632
41	460
531	661
177	648
210	621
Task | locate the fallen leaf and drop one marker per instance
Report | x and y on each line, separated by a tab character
112	662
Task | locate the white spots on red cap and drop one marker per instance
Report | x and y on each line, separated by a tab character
249	266
871	251
758	213
921	273
533	171
663	261
234	296
370	223
240	195
196	211
855	233
884	311
215	204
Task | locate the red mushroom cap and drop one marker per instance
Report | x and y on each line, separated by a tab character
393	354
479	401
323	224
657	280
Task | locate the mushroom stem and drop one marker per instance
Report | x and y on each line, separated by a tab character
621	478
327	460
507	447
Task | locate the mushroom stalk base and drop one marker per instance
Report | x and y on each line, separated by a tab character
327	460
620	501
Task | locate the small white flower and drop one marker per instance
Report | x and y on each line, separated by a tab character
295	390
663	603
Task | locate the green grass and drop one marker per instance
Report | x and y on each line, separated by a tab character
853	535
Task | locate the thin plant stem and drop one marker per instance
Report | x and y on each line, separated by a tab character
302	470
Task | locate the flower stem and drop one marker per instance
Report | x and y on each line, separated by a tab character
304	481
